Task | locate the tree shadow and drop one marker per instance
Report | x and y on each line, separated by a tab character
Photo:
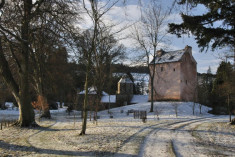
32	149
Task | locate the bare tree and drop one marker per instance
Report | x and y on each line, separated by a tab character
17	31
20	33
95	9
86	49
47	35
108	51
149	33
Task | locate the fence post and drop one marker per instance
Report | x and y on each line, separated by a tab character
1	125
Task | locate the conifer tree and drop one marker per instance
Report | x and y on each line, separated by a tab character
214	28
223	89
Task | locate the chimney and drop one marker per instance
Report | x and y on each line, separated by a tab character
188	49
160	53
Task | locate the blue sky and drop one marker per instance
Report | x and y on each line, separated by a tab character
126	15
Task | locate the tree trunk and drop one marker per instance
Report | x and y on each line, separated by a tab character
45	107
20	93
39	87
27	116
88	67
84	121
61	99
151	108
152	76
42	99
200	109
26	113
193	108
229	112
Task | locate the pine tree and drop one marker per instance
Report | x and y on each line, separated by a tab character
205	88
223	89
205	27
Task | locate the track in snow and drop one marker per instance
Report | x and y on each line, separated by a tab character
175	139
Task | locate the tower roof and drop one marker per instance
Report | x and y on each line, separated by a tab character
171	56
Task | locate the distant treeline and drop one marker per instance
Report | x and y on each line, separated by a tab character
121	68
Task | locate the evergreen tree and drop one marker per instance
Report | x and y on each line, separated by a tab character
223	89
205	88
216	27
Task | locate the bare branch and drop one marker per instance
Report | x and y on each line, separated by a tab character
6	73
3	31
37	4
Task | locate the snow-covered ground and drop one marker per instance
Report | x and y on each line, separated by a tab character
164	133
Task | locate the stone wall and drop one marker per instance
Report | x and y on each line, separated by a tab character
188	79
166	81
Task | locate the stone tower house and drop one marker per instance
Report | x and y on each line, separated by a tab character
175	75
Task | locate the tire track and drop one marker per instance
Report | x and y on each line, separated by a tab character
227	150
135	137
182	140
167	127
201	146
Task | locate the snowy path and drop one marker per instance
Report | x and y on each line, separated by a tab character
176	139
161	140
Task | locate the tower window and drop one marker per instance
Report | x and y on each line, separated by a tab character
161	68
186	81
174	69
